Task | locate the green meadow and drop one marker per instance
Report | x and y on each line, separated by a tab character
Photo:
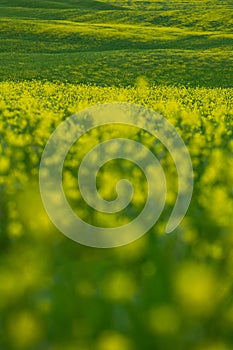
111	43
163	291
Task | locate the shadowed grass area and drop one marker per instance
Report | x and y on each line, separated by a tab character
122	67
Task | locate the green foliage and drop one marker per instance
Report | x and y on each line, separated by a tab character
162	291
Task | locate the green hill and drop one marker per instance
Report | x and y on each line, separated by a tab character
112	42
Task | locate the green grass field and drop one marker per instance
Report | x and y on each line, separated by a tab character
161	292
109	43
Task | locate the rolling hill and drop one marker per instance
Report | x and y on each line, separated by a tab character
112	42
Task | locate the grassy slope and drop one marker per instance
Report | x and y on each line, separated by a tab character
109	42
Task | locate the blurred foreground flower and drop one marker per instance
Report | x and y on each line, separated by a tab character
196	288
